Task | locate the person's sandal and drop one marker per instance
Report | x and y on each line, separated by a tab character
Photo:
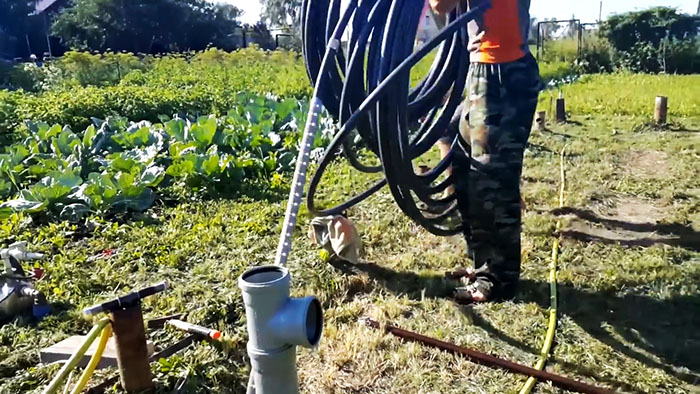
478	291
461	272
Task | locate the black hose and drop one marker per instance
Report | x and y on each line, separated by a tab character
367	89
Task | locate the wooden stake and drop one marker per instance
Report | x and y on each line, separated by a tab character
132	353
561	110
661	109
541	120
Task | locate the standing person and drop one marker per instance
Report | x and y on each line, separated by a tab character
502	88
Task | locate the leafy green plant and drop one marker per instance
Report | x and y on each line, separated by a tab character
115	166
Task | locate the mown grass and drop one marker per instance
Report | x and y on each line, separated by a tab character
627	317
628	94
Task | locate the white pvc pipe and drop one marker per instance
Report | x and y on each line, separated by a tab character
276	325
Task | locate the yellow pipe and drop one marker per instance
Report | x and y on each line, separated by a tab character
75	357
552	325
94	360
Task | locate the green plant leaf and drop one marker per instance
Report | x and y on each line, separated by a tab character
176	129
5	212
67	179
152	176
136	202
180	148
203	131
89	136
64	144
211	165
46	132
285	108
124	180
122	163
26	202
74	212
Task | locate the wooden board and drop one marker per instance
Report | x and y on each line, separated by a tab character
63	350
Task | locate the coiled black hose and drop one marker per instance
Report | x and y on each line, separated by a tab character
366	87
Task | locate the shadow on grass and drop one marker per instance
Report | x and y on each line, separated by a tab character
673	234
557	133
537	149
661	334
672	126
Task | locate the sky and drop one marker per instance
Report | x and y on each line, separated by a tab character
585	10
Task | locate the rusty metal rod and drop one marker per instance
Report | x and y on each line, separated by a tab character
159	322
491	361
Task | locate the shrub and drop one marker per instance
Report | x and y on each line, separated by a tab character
88	86
595	54
555	71
654	40
104	69
561	50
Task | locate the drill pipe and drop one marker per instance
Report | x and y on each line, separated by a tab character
490	361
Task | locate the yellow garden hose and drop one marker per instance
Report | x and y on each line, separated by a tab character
552	326
94	360
75	357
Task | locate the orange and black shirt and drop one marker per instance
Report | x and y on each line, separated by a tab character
500	35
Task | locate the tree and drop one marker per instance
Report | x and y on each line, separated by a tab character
653	40
227	12
14	16
145	25
284	14
650	26
260	35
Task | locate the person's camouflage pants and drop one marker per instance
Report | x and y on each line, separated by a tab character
501	101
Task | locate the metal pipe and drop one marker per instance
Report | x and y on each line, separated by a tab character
491	361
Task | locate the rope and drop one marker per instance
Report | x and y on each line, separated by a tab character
552	325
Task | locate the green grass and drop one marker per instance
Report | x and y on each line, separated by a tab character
627	316
629	94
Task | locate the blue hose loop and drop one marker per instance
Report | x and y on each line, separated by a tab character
367	90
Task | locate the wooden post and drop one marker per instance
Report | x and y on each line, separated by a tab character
541	120
560	113
132	351
661	109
